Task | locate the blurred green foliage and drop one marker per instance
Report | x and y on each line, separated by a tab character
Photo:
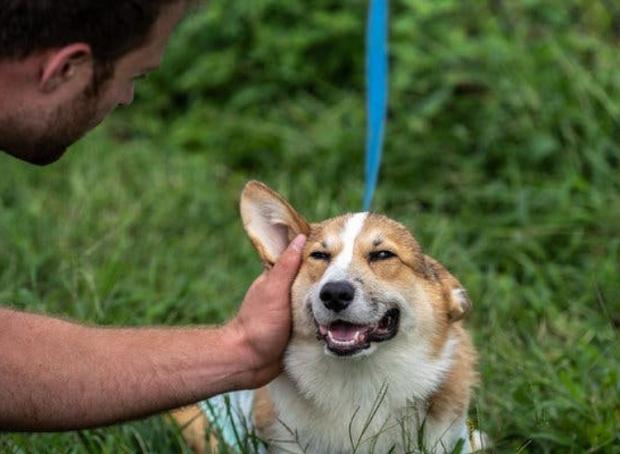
501	154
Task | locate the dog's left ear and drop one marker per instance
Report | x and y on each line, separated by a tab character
459	303
270	221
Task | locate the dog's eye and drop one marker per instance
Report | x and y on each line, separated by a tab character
320	255
380	255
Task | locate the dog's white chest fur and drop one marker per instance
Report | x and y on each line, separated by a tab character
370	404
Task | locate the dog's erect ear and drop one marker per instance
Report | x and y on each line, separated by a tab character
270	221
458	301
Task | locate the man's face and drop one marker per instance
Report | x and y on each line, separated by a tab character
40	131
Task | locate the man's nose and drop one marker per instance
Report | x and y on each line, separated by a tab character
337	295
127	98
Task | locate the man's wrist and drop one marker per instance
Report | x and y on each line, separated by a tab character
242	354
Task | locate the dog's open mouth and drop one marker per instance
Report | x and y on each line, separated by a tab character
344	338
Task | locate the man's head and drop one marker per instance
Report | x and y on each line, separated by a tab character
65	65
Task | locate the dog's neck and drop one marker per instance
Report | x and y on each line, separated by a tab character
406	371
371	395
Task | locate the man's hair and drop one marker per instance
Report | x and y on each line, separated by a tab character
112	29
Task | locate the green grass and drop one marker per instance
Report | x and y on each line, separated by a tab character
501	154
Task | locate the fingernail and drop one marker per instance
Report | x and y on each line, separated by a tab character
298	242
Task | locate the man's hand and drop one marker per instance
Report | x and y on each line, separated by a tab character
58	375
264	319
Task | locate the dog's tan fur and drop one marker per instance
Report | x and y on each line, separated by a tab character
193	424
436	304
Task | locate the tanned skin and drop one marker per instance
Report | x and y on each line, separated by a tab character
59	375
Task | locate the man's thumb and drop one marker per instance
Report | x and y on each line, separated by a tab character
288	264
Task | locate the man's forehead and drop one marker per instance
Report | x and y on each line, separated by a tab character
149	55
168	19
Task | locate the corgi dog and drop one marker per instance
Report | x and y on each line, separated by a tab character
379	360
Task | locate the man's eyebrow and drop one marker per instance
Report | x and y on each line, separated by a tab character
149	69
144	72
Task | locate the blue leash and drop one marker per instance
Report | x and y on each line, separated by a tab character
377	92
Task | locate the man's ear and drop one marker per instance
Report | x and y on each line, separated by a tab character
270	221
72	62
458	302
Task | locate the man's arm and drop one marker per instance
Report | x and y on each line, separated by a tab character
57	375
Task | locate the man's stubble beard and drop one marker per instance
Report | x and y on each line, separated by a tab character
44	141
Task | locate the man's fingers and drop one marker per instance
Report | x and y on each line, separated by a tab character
287	265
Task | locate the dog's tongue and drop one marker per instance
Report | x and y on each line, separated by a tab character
344	331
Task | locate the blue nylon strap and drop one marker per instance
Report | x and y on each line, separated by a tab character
377	92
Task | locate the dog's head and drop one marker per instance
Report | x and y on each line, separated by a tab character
363	280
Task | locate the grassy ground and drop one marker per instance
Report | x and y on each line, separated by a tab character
501	155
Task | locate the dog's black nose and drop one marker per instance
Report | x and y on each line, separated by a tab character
337	295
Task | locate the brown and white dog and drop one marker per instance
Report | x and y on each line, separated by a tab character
379	360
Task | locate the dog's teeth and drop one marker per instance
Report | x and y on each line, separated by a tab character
340	342
357	339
